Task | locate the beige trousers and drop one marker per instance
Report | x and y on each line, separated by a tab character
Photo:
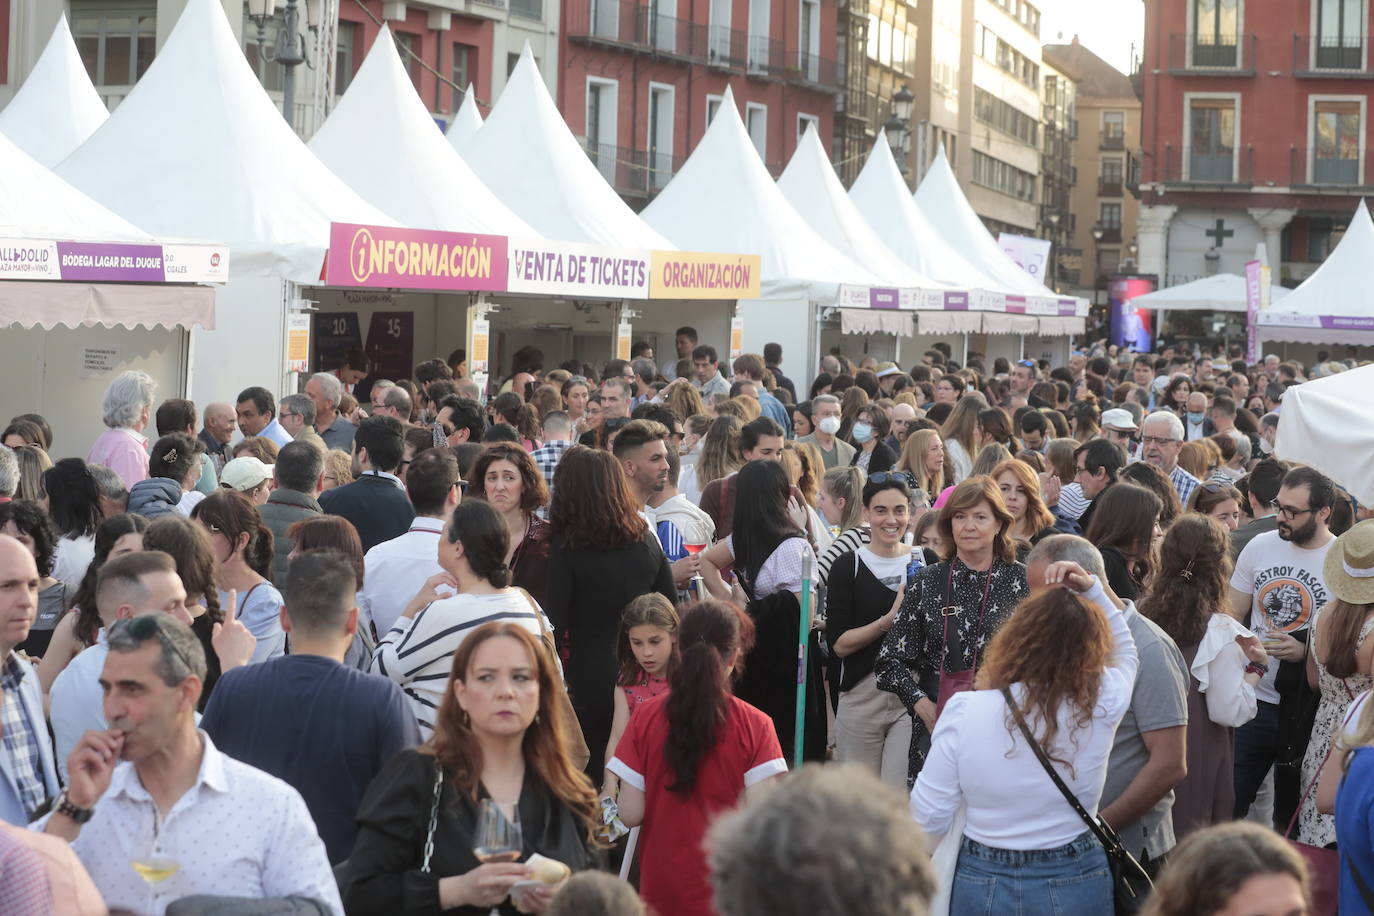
873	728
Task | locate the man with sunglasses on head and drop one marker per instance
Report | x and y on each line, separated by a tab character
1277	588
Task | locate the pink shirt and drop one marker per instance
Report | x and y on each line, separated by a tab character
123	451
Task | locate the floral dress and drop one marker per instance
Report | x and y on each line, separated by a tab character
909	662
645	689
1315	828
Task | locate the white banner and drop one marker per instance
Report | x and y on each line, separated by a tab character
575	269
1031	255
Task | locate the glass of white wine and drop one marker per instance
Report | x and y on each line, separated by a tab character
154	866
497	838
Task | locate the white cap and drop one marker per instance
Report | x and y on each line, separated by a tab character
1118	418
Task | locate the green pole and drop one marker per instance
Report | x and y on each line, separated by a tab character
803	631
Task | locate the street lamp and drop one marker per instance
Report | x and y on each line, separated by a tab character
1053	219
898	127
1096	232
289	46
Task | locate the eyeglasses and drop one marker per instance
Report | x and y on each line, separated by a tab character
1289	512
463	485
892	477
145	627
1157	440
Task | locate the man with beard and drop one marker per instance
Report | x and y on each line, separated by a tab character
1277	587
1161	439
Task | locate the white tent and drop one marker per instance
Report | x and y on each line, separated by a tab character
1217	293
57	108
1336	304
528	157
952	217
1328	423
467	121
810	185
197	149
36	204
382	141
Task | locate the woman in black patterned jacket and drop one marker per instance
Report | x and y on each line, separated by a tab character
953	608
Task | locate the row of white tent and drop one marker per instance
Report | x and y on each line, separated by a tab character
198	150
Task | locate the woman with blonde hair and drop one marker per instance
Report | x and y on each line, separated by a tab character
1200	457
720	451
952	609
959	431
989	457
338	469
683	399
840	504
1032	732
923	457
33	461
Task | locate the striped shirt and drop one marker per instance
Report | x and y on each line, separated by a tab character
418	653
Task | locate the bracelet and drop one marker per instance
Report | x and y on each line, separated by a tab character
64	806
1256	668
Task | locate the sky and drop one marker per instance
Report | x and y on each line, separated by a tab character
1107	27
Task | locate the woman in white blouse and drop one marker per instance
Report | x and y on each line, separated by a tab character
1188	599
417	652
1024	848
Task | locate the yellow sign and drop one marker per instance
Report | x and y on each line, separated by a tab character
699	275
481	345
736	337
298	343
622	340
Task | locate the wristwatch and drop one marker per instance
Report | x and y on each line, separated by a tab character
79	815
1257	668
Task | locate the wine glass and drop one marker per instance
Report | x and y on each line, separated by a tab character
693	550
497	838
153	865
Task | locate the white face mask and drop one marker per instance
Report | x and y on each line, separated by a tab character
829	425
862	432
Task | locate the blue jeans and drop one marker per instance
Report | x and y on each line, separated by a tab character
1071	880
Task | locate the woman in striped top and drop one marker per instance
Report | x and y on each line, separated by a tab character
417	652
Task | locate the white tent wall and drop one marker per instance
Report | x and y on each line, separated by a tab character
882	347
995	345
787	322
41	371
247	346
1054	349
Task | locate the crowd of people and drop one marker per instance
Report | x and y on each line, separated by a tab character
412	646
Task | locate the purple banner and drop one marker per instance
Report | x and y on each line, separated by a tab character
1348	322
956	302
1068	307
110	263
883	298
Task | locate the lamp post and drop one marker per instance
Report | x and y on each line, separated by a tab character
1096	232
1053	219
898	127
289	47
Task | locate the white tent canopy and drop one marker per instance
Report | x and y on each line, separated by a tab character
1335	304
1217	293
36	204
528	157
723	199
881	195
810	185
1328	424
467	121
57	108
382	141
953	218
198	149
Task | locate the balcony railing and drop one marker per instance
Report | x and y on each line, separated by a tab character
528	9
1111	235
1220	55
1324	168
638	27
1332	56
634	172
1108	141
1109	187
1207	165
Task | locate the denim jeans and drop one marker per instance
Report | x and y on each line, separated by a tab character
1257	747
1071	880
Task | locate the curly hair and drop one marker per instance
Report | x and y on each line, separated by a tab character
534	492
683	399
1209	867
592	505
1191	578
1030	649
29	518
966	496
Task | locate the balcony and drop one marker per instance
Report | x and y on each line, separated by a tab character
1108	141
1331	57
528	9
1212	55
1111	235
632	26
1109	187
635	173
1320	169
1207	166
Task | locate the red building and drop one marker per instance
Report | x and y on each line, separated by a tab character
639	81
1254	129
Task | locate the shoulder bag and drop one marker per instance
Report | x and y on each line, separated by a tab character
952	682
1130	882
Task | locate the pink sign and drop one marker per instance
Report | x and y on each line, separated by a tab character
381	256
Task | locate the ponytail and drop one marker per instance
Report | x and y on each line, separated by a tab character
260	552
699	696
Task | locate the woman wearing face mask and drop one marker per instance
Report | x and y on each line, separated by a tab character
870	428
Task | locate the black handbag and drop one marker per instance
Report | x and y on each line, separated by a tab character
1131	884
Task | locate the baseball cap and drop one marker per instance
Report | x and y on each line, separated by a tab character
245	473
886	369
1118	418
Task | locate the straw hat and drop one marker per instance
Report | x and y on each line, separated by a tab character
886	369
1349	567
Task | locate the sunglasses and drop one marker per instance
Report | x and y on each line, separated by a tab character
892	477
147	626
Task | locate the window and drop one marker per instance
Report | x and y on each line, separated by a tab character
601	124
722	14
1114	124
1006	58
464	63
1336	142
756	121
712	106
660	148
803	122
997	113
664	16
1111	170
1108	260
408	46
999	176
116	41
760	27
1110	216
1212	123
1339	34
810	40
1216	28
605	18
344	44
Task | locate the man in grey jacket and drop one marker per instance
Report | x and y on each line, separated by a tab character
299	474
